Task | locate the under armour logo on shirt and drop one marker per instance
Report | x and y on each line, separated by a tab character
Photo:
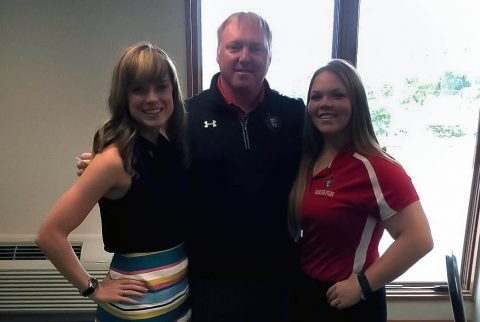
212	124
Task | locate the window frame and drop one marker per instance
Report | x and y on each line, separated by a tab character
193	15
344	45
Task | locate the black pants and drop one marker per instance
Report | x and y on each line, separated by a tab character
230	300
310	304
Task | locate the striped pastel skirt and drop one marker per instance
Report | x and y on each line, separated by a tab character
165	274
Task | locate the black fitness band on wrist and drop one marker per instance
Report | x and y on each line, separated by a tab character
364	285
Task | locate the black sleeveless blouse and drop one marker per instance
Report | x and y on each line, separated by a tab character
150	217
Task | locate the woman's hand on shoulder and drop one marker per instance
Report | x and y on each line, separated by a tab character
104	172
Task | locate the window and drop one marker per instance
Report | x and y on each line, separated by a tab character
423	83
424	90
295	55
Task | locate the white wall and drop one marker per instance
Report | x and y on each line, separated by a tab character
56	60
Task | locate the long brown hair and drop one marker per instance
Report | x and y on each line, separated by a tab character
362	135
139	63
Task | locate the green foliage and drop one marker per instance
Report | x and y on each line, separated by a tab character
381	121
451	84
446	131
417	91
387	90
370	93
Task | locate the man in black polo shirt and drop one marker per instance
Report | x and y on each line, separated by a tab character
245	147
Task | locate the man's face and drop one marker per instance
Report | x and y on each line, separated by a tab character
243	57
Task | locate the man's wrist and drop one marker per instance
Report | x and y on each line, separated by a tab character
365	288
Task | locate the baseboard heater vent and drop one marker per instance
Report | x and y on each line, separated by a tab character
30	283
41	290
28	252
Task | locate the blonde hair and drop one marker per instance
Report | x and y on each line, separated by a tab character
362	135
247	17
141	62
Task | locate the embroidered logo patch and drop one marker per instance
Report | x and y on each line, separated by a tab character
206	124
273	122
